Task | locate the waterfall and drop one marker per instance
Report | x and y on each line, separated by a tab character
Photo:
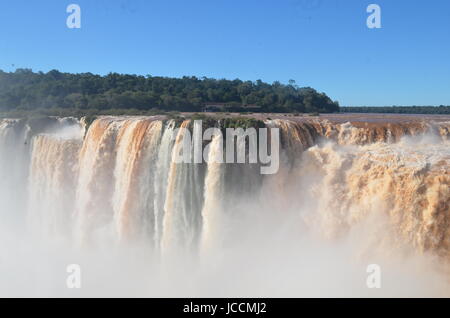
133	196
212	212
110	196
119	182
95	186
160	180
52	183
181	209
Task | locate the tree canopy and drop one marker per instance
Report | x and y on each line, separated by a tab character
25	90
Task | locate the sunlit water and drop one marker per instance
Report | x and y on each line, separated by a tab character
112	200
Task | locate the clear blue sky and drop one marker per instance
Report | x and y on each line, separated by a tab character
326	46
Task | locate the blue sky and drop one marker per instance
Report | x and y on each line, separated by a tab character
323	44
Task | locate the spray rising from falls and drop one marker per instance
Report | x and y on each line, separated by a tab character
118	182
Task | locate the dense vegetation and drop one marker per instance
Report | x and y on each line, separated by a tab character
399	110
63	94
225	121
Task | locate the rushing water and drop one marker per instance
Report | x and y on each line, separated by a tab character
375	192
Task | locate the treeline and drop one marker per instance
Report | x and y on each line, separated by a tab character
25	90
399	109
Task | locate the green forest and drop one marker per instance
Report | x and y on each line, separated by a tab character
61	94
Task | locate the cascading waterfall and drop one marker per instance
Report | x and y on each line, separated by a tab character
181	220
135	166
95	187
160	181
52	182
408	183
119	182
30	150
214	190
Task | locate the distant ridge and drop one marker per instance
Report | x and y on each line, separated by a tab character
438	110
